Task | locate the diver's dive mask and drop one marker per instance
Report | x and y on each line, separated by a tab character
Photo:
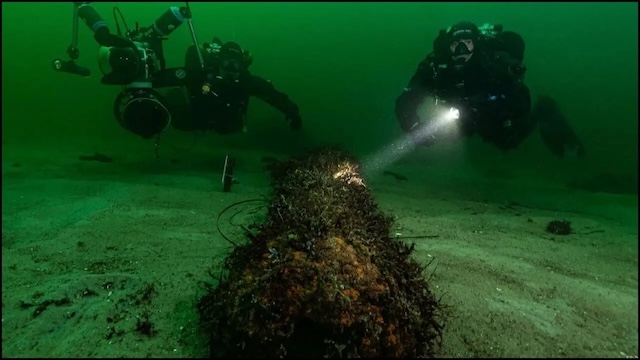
462	41
230	68
231	60
231	65
462	50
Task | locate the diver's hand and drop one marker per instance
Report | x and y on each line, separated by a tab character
428	108
294	120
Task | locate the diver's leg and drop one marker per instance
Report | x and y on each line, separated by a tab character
516	125
513	132
229	122
555	130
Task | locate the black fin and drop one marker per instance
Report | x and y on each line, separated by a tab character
555	130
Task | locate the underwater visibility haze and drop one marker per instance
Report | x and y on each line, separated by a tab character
194	243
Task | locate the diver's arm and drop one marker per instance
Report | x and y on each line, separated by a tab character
420	86
264	90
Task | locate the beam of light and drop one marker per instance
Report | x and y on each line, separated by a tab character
376	163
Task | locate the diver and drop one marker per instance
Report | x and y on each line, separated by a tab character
216	96
215	76
477	74
133	59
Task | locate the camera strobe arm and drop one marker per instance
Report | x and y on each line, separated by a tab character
101	32
70	66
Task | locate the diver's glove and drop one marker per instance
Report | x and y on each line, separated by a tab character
294	119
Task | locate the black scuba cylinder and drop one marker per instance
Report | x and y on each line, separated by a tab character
440	44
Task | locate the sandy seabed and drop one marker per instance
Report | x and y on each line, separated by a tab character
107	259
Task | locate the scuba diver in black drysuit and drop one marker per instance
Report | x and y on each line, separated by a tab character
216	97
478	74
215	76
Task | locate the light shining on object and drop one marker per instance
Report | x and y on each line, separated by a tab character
349	173
452	115
378	161
399	148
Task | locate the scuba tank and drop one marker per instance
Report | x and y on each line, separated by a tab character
495	39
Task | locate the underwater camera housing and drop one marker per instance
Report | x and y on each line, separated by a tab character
133	60
140	108
141	57
127	65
